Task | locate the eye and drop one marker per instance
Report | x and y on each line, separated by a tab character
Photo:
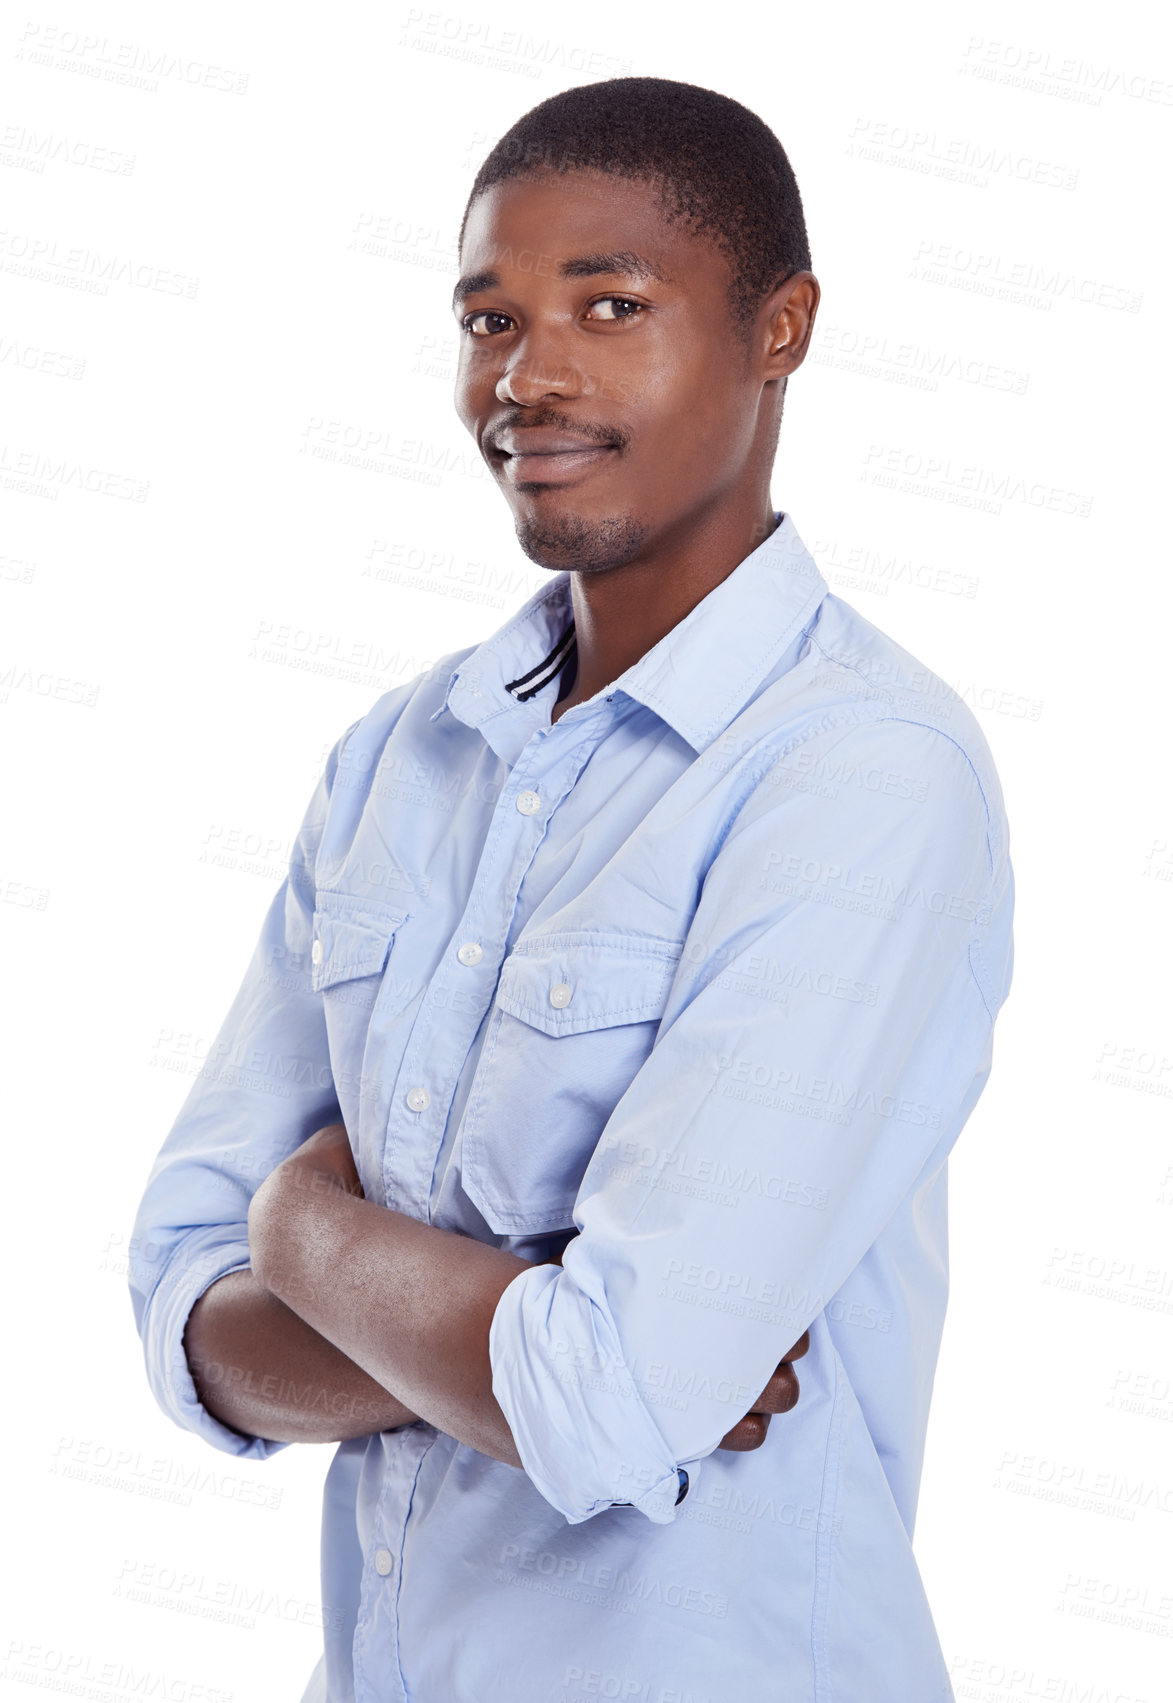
503	320
623	301
485	313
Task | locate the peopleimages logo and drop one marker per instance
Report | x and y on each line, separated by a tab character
1029	282
966	483
843	878
875	355
959	159
1067	77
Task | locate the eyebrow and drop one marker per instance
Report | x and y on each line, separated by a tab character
623	262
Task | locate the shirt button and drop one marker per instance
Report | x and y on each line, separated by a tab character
384	1561
418	1099
316	952
560	994
528	803
470	953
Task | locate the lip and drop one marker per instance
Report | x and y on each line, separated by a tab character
525	441
543	455
563	467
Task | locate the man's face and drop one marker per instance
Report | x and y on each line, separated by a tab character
611	405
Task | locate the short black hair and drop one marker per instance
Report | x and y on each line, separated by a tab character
718	168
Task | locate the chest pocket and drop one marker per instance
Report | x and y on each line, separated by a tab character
352	941
575	1016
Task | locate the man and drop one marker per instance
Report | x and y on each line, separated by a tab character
635	973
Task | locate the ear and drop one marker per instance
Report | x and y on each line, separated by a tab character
787	320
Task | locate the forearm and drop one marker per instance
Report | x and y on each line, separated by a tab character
408	1302
261	1369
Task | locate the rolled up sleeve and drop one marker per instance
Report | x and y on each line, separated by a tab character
264	1088
825	1038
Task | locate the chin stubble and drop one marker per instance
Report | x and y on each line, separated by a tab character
568	541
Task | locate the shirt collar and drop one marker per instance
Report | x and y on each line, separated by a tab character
696	678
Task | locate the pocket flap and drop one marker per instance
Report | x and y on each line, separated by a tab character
567	983
352	937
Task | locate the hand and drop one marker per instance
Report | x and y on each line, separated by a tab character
779	1396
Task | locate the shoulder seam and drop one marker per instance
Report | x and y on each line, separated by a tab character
977	967
918	721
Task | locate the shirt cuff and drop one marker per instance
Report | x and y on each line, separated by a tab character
585	1438
165	1319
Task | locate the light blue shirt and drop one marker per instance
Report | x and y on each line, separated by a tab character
706	970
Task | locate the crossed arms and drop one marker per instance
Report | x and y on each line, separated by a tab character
322	1315
347	1301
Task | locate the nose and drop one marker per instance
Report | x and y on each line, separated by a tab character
532	374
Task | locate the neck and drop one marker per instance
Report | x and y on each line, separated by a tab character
620	613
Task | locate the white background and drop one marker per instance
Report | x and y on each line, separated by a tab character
971	453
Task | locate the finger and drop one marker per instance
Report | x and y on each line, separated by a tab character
748	1433
799	1349
780	1394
